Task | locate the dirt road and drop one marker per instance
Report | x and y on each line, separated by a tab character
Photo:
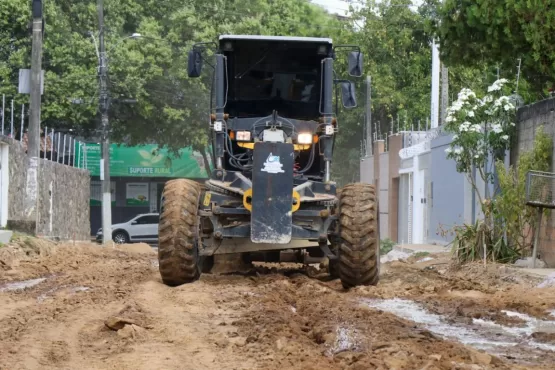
423	315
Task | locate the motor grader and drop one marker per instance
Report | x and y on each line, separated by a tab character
273	124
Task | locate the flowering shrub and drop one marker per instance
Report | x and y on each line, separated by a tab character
482	127
482	130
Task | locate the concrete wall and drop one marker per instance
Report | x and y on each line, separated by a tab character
441	196
382	170
367	170
63	195
384	195
403	209
395	145
446	203
529	118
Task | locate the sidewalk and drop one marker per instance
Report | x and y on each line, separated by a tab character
542	272
415	248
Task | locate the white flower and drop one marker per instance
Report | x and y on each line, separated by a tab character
488	99
465	94
497	128
513	124
450	119
505	137
476	156
470	113
458	150
464	126
508	107
494	88
457	106
448	150
497	85
476	128
455	137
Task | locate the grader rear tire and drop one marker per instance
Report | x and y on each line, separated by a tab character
359	239
178	233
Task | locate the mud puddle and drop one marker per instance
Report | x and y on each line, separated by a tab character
20	285
514	343
346	339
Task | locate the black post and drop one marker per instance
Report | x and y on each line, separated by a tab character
327	142
220	105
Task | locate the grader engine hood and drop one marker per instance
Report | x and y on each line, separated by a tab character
272	198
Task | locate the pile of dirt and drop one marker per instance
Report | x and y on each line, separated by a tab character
24	248
141	248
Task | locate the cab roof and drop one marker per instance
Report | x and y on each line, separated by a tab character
276	38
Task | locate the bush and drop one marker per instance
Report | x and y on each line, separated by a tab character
470	241
386	245
509	206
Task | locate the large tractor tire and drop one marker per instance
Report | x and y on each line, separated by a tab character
358	251
178	233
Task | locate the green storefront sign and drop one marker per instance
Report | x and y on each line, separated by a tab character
146	161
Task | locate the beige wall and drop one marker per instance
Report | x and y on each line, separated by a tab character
385	176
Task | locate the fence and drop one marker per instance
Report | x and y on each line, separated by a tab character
56	146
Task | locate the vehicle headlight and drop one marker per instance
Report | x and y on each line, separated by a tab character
243	136
304	138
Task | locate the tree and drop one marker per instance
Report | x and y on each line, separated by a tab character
482	129
398	50
172	110
499	33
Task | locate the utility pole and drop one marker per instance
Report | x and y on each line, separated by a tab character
435	85
104	104
369	144
444	93
518	75
31	186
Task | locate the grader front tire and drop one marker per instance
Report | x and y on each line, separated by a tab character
178	233
359	241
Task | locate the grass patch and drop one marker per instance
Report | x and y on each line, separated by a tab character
386	245
421	254
17	236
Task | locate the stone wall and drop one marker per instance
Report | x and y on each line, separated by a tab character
63	196
529	118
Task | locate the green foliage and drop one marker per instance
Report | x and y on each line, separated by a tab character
421	254
386	245
508	236
397	52
172	110
509	206
499	33
482	128
474	241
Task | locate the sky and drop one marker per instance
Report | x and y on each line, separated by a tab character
340	7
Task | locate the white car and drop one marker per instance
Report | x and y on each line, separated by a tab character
141	228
